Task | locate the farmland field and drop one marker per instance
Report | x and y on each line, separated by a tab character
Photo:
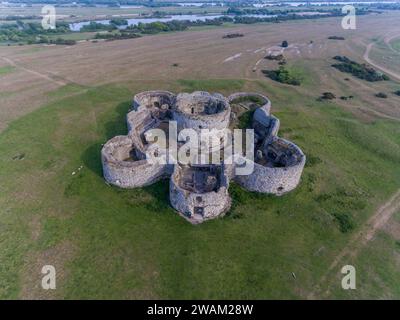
59	104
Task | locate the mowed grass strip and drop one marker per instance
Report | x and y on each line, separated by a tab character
130	243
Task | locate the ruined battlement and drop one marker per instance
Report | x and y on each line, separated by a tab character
278	165
124	167
201	110
200	103
153	100
262	101
200	192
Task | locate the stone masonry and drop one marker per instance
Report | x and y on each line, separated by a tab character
200	191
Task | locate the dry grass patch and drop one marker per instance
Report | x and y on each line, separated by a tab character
31	276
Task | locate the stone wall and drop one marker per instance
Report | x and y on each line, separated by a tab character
197	121
266	105
211	204
276	180
265	126
153	99
278	163
128	174
138	120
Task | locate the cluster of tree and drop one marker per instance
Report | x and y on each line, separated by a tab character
335	38
13	18
174	25
121	35
110	3
157	27
181	25
281	12
233	35
358	70
387	6
264	11
163	14
28	32
47	40
119	22
381	95
280	18
249	16
328	96
97	26
277	57
283	75
346	97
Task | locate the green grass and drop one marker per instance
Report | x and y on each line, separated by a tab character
246	119
74	36
131	244
376	271
6	69
300	70
66	90
396	44
294	73
384	56
211	84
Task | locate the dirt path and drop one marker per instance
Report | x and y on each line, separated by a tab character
360	239
36	73
390	38
382	216
366	58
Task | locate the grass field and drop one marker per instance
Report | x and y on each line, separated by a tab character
111	243
396	44
74	36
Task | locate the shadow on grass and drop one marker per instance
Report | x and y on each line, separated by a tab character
159	192
117	126
241	196
91	157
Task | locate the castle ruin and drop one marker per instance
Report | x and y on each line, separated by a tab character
200	191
